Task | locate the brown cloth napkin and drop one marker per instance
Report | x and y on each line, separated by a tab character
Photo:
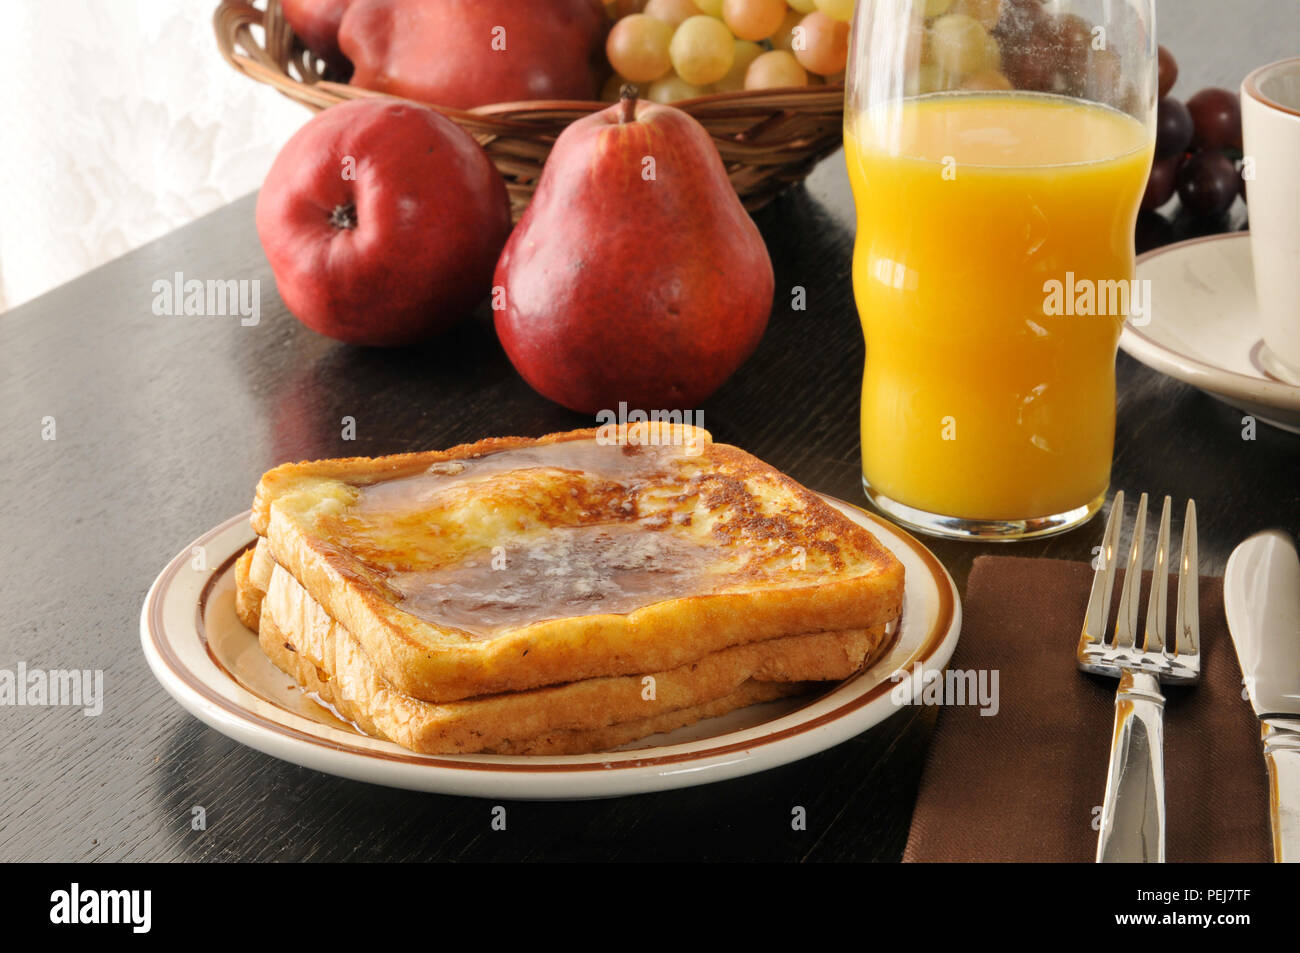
1027	783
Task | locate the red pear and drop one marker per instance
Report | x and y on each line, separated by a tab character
635	274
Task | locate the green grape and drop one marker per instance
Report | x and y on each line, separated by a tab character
672	12
637	47
992	53
825	46
987	12
783	38
929	78
988	79
753	19
702	50
959	44
839	9
746	52
775	69
672	89
917	50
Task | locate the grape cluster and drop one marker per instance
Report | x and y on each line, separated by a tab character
685	48
1013	44
1198	148
679	49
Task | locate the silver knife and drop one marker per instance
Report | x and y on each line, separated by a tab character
1261	597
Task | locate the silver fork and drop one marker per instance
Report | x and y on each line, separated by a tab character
1133	813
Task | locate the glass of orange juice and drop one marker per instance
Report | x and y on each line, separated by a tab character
998	151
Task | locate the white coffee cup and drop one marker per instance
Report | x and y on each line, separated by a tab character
1270	115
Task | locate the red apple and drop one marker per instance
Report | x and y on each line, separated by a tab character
382	221
466	53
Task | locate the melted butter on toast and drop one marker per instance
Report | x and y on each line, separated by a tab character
575	528
570	571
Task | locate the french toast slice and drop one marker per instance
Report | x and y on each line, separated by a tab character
515	563
557	742
300	637
253	571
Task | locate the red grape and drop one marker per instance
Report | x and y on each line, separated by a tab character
1030	62
1019	19
1208	184
1173	128
1216	114
1168	71
1153	230
1163	182
1073	35
1105	73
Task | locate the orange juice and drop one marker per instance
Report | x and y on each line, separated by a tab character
983	397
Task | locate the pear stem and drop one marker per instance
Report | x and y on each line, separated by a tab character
627	99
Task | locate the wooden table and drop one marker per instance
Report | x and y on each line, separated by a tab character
163	425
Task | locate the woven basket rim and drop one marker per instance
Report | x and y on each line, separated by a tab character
769	139
757	97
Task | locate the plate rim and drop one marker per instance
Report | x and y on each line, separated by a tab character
647	771
1191	370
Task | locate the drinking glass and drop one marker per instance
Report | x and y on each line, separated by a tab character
998	151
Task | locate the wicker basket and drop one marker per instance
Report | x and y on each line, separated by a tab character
768	139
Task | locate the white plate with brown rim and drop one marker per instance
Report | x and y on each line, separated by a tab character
1204	328
213	666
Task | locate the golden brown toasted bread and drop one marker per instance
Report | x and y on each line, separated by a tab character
557	742
512	564
317	651
252	578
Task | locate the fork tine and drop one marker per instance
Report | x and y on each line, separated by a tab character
1187	619
1103	580
1126	621
1159	600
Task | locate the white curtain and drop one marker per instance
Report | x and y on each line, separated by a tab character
119	121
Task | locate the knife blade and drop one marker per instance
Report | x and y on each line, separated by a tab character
1261	598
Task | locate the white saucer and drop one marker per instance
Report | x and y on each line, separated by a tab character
215	668
1204	328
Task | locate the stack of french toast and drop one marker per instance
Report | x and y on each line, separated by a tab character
562	595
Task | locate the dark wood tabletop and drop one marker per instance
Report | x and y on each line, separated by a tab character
164	424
